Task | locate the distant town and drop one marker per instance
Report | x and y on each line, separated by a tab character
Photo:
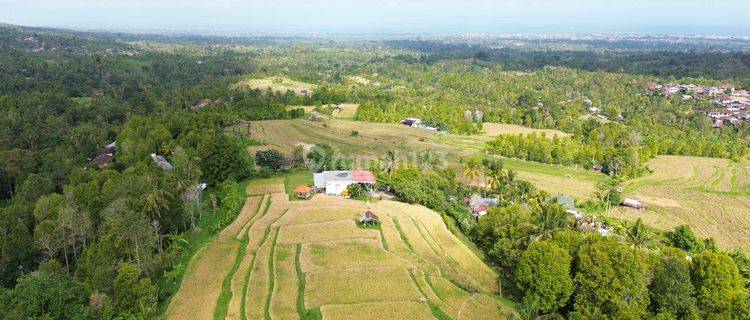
733	106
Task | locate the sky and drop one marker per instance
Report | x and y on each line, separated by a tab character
685	17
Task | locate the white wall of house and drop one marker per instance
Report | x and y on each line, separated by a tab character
337	187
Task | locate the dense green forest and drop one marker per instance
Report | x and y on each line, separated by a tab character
667	60
83	242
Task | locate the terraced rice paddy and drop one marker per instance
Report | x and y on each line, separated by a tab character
375	139
710	195
309	260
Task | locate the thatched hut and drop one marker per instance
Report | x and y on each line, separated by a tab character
302	191
369	218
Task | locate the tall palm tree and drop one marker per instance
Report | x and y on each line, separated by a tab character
472	167
637	235
493	170
549	218
155	202
389	162
523	188
428	160
511	176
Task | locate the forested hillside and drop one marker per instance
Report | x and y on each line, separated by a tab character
83	242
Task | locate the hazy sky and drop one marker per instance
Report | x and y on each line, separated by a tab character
389	16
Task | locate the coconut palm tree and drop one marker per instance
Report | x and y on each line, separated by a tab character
155	202
428	160
549	218
472	167
493	171
637	235
523	188
511	176
389	162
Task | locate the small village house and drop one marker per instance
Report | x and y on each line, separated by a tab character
633	203
369	218
302	191
105	157
161	162
479	210
102	160
335	182
201	104
480	206
412	122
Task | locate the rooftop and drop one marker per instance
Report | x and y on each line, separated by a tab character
345	176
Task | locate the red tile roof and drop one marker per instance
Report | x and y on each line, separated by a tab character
302	189
363	176
102	160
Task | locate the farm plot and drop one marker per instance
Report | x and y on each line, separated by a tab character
266	186
325	231
319	214
284	298
248	211
202	283
343	255
276	84
377	311
297	259
359	286
373	140
710	195
345	110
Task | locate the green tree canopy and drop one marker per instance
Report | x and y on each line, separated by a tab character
543	273
221	158
612	277
717	281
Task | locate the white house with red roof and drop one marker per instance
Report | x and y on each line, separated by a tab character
335	182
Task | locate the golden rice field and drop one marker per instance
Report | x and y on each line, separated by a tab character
710	195
276	84
345	110
309	260
373	140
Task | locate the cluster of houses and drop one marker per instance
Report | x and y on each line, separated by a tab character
106	157
480	206
734	110
734	105
688	91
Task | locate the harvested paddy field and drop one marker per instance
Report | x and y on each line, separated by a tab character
710	195
341	111
373	140
310	259
276	84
